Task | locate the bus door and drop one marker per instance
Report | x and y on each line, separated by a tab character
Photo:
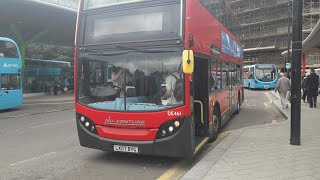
232	83
3	97
201	96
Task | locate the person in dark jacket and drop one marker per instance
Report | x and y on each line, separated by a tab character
56	86
312	84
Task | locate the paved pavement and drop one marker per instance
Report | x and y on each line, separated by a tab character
264	152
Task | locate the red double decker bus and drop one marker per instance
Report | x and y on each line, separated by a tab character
156	77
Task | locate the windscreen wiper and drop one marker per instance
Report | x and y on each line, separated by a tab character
102	53
124	47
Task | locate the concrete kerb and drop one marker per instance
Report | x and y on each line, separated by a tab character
204	165
278	107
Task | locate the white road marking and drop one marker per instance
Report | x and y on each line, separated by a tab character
22	115
49	124
33	104
32	159
43	125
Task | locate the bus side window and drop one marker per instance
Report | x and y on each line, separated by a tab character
218	73
213	77
239	74
225	75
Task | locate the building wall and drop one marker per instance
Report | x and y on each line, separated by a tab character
265	28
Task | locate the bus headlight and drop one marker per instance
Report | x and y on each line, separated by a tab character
87	123
169	128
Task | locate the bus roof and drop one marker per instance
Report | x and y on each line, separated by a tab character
51	61
7	39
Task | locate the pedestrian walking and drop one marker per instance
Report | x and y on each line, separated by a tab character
66	85
312	83
283	87
56	86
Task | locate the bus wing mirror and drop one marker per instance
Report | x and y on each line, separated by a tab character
187	61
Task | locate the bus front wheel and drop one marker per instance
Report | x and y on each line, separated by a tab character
190	146
214	128
238	105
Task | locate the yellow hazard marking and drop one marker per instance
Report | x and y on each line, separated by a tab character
268	96
270	100
201	144
178	170
171	174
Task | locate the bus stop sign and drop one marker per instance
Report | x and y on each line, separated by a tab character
288	65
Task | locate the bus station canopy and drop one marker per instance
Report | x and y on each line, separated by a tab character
312	43
30	17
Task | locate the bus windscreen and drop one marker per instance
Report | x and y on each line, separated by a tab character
8	50
266	73
130	81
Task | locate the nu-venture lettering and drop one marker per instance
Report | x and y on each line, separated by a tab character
125	122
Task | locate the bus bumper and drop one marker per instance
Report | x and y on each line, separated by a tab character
177	145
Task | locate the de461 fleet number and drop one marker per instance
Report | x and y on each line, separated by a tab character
174	113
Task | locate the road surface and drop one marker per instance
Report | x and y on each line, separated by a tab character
40	142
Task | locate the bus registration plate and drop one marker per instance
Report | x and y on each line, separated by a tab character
130	149
266	87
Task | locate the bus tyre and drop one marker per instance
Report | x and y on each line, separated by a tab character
214	128
249	86
238	106
189	156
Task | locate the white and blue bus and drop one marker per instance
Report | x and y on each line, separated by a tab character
260	76
10	75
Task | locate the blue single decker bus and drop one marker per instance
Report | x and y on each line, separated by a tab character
10	75
260	76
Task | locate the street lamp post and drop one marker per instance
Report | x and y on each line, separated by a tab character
288	38
296	73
